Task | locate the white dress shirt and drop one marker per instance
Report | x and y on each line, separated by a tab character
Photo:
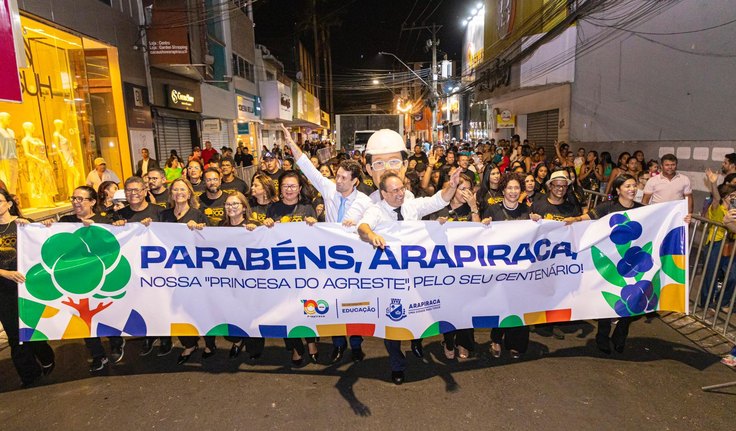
357	202
411	209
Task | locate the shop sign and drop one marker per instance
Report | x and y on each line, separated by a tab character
247	109
168	41
505	119
211	125
473	47
243	129
324	119
138	109
180	98
10	88
277	101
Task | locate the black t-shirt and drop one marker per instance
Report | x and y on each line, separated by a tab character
162	199
257	211
199	188
421	158
151	211
559	212
192	214
461	213
236	185
97	218
492	197
214	209
8	248
609	207
499	212
282	213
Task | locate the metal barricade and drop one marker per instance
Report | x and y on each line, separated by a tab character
594	198
709	303
246	173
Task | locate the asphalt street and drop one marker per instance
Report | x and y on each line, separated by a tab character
557	385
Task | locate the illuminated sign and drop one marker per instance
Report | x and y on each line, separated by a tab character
180	98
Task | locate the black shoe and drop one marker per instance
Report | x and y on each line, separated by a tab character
417	349
297	362
255	356
182	359
604	345
336	355
30	383
357	355
165	347
98	364
235	350
314	357
117	353
397	377
48	369
147	347
618	348
207	355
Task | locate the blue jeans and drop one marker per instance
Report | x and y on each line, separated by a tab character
716	265
341	342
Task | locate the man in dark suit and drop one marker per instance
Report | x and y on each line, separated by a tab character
145	164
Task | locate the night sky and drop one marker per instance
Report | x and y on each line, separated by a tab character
362	29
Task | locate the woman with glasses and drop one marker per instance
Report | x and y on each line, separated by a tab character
237	214
84	202
31	359
462	207
294	206
514	339
184	208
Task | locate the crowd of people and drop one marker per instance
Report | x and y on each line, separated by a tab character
487	182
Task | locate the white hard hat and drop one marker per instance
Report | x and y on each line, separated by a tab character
385	141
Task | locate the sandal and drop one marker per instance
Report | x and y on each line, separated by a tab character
449	354
462	352
496	350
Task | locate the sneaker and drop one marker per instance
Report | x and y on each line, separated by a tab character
147	346
98	364
729	360
165	347
116	355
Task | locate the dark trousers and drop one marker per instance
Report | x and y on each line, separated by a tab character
515	338
461	337
253	345
395	355
715	267
29	356
189	342
296	344
341	342
164	340
620	333
95	348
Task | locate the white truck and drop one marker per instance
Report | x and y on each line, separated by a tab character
353	130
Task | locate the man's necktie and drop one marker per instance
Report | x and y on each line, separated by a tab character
341	209
399	217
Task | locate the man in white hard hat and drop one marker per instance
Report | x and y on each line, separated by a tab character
386	152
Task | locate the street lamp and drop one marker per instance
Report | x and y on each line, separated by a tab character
434	94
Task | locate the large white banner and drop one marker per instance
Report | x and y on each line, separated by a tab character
295	280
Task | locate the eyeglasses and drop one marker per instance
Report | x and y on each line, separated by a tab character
558	186
134	191
79	199
290	186
380	165
233	205
396	191
211	180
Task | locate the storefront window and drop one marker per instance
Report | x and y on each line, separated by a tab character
70	114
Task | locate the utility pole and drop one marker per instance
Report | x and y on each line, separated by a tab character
434	29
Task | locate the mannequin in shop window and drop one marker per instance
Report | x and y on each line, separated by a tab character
72	175
42	185
8	154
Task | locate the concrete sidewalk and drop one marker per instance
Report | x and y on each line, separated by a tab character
558	385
